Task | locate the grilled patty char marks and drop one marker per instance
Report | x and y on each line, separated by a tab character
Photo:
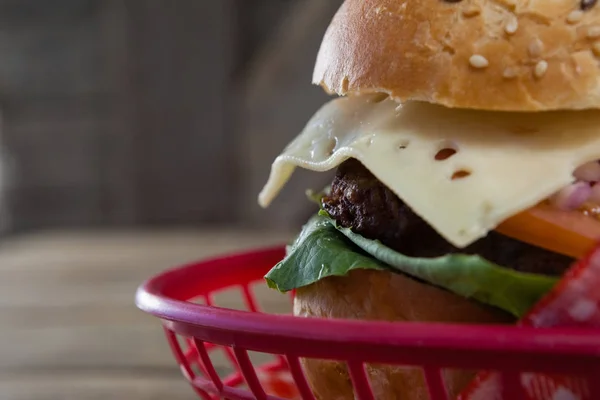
360	202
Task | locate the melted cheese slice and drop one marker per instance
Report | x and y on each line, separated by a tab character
504	162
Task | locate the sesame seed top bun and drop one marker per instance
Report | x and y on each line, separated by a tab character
512	55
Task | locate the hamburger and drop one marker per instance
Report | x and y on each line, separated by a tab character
465	138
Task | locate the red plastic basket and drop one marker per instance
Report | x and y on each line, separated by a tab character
195	331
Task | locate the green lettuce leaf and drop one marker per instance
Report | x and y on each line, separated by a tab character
323	249
318	252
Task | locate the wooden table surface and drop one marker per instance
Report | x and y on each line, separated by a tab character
69	329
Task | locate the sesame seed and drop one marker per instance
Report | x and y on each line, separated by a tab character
509	73
575	16
587	4
345	84
536	47
540	69
593	32
380	10
596	49
478	61
512	25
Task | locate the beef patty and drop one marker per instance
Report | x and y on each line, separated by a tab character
360	202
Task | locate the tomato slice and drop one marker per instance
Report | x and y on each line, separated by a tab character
571	233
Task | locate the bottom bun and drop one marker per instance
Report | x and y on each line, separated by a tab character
385	296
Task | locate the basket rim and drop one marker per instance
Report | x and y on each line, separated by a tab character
196	319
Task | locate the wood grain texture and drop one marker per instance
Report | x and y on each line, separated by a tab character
181	61
68	325
278	99
73	385
124	112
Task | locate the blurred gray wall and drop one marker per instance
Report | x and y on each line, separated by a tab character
153	112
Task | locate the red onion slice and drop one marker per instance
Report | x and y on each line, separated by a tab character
595	195
589	172
572	196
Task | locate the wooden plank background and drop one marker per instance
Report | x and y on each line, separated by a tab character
135	135
153	112
68	327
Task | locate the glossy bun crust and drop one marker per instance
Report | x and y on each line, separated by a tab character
484	54
382	295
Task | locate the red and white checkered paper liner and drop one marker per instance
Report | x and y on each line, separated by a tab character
280	384
573	303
